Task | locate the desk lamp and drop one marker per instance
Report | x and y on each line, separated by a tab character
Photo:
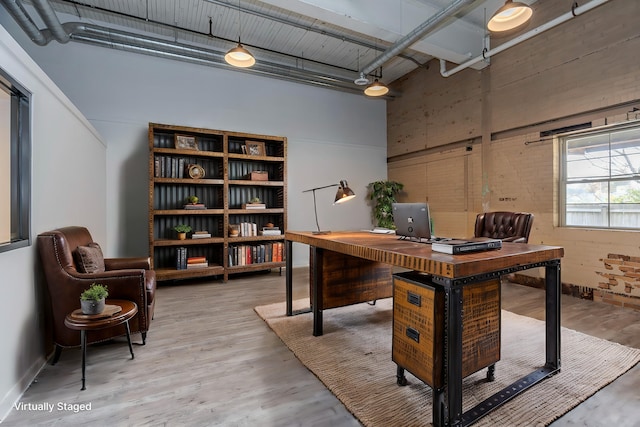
343	194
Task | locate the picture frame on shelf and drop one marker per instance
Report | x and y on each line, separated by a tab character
254	148
186	142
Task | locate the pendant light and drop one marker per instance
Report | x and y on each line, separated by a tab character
239	56
510	17
377	88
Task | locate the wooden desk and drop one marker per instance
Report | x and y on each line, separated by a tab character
453	272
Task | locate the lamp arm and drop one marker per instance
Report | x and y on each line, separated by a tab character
320	188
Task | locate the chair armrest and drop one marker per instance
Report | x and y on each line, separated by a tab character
515	239
126	263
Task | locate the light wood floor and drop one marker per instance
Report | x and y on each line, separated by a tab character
209	360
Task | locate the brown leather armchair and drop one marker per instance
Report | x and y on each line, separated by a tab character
125	278
506	226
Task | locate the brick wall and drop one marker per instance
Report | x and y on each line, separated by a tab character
471	142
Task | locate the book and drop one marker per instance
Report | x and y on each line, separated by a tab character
197	265
462	246
200	235
196	259
254	206
194	206
271	232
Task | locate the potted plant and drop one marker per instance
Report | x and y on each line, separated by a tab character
182	230
193	200
92	299
383	193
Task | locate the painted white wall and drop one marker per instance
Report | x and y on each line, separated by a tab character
68	187
331	135
5	166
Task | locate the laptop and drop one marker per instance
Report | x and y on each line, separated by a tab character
412	220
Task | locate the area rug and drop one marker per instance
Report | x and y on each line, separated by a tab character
353	360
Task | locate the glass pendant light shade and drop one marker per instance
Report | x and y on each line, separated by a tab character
510	16
239	57
344	193
376	89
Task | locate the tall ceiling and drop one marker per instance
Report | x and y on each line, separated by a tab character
327	43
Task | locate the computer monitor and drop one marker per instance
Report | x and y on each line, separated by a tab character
412	220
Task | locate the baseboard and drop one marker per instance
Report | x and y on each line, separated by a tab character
15	393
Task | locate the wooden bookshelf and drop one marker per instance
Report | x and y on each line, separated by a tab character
224	189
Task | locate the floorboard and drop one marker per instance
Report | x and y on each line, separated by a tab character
209	360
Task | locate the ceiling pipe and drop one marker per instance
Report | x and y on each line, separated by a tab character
415	35
16	10
48	15
130	42
575	11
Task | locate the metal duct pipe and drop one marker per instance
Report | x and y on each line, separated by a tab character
575	11
415	35
130	42
51	20
16	10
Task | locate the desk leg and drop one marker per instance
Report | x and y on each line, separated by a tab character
453	363
289	276
83	342
126	324
316	288
552	321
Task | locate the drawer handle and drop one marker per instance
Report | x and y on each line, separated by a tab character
413	334
414	299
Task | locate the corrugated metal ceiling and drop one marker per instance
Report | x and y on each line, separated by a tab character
335	38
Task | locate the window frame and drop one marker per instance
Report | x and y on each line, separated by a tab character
20	161
564	181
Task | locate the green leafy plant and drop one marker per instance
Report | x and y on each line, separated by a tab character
383	194
95	292
182	228
193	199
255	200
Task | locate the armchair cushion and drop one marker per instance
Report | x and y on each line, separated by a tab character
89	258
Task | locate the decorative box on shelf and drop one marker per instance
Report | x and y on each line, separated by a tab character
259	176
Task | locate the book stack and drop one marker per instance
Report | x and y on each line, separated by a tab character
194	206
197	262
271	231
203	234
181	258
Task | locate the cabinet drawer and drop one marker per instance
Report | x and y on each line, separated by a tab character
419	322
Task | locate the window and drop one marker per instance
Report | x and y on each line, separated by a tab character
600	178
15	165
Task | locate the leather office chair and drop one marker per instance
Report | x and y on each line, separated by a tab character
506	226
125	278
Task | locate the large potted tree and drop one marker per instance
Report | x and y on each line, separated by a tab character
383	194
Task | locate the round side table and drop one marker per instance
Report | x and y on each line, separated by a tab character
116	313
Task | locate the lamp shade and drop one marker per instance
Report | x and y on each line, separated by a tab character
239	57
510	16
376	89
344	193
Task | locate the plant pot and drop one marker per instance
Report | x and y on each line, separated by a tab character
92	306
182	236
